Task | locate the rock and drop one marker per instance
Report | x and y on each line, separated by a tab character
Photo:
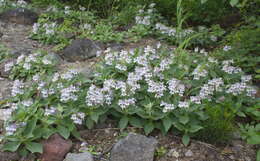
56	59
86	156
55	148
19	16
5	90
81	49
9	156
189	153
134	147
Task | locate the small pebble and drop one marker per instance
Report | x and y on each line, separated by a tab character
189	153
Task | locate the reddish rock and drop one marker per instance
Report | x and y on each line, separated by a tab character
55	148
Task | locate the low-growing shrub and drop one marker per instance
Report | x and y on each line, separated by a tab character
220	126
244	49
150	88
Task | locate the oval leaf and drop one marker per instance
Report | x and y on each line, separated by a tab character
34	147
186	139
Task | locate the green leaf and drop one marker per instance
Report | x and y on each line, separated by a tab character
185	139
148	127
11	146
241	114
94	116
123	122
167	123
63	131
203	1
76	134
89	123
136	122
195	128
30	127
233	2
34	147
254	139
184	119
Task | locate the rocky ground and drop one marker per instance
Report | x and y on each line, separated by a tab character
107	142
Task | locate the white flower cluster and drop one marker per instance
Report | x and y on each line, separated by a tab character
167	107
176	87
183	104
208	89
172	32
68	94
227	48
156	87
18	88
144	17
228	68
240	87
21	3
124	103
68	75
50	111
9	66
26	62
199	72
27	103
78	118
11	129
50	28
67	10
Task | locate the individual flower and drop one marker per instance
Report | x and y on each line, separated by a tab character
227	48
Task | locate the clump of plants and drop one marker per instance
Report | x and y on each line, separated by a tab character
220	125
244	49
150	88
7	4
26	66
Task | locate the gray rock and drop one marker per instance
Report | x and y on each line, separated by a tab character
81	49
5	89
56	59
86	156
19	16
134	147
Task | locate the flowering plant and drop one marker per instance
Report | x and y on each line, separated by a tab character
150	88
156	88
27	66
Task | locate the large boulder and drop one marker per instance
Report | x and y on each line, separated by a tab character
19	16
134	147
55	148
80	50
86	156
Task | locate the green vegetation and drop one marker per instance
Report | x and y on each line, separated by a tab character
199	90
